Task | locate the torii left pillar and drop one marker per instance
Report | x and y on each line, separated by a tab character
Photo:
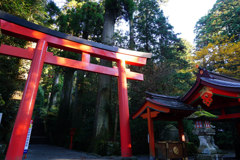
24	115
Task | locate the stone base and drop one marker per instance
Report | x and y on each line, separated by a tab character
209	157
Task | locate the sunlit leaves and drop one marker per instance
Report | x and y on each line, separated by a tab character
218	38
222	56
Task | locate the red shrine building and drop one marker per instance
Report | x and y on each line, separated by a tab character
215	93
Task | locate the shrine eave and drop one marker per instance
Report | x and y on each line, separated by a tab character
214	80
33	26
161	105
172	102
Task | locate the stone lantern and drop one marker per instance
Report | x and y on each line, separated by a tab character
205	132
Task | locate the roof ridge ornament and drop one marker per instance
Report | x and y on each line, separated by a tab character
202	72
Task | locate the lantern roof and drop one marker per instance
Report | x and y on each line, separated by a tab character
201	115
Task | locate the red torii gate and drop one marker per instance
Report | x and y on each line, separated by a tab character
44	37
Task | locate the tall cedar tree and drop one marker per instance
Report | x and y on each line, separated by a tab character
218	38
165	73
113	9
81	19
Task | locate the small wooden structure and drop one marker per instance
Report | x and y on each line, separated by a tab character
170	150
168	108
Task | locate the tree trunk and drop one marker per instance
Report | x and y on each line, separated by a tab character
131	43
115	124
77	104
101	127
63	113
53	96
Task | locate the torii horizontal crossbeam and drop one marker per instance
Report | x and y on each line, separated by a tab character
65	44
66	62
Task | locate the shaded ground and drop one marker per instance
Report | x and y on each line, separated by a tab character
48	152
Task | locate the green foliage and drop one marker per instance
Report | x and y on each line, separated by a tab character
191	149
120	8
226	135
188	128
85	19
166	72
222	20
222	56
33	11
53	11
218	39
39	109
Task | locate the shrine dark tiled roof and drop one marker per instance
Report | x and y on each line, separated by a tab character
215	80
172	102
221	82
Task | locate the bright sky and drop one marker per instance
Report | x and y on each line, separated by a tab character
184	14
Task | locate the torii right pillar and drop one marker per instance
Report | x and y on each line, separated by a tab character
126	146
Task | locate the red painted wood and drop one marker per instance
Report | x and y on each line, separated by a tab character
228	116
24	115
61	61
158	108
86	57
126	146
225	93
154	114
151	134
32	35
194	97
227	104
147	104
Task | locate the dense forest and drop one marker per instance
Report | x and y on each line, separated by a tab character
69	98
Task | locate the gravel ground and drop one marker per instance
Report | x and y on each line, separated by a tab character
48	152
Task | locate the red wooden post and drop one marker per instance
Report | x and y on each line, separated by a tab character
72	133
24	115
126	147
151	135
181	131
85	57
